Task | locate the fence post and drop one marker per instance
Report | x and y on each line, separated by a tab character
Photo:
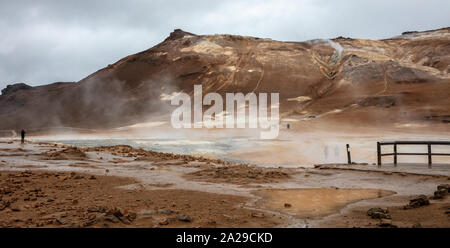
395	154
349	158
379	154
429	155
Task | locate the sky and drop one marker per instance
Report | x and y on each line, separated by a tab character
48	41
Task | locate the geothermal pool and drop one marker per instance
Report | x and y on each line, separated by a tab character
290	149
214	148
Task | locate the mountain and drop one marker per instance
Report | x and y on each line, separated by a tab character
401	79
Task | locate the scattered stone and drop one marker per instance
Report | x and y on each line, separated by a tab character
89	223
124	220
444	187
164	222
100	209
378	213
116	212
92	217
132	216
440	193
386	223
257	215
417	225
15	209
419	201
4	204
92	177
111	218
184	218
60	221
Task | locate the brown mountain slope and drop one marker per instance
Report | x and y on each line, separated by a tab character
406	77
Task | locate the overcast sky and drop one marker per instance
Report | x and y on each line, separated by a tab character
48	41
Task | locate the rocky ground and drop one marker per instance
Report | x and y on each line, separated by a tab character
420	211
57	199
54	185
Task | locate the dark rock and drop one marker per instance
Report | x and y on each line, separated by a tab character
410	32
4	204
15	87
61	221
117	212
89	223
419	201
386	223
164	222
417	225
184	218
444	187
111	218
287	205
440	193
131	216
378	213
92	217
257	215
124	220
15	209
178	34
93	209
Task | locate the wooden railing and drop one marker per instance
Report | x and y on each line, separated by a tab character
397	143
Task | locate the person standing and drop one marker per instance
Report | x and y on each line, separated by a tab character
22	134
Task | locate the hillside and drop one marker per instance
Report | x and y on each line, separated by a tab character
402	79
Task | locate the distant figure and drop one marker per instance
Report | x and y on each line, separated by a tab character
22	133
288	126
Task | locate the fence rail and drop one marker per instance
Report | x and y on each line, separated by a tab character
429	144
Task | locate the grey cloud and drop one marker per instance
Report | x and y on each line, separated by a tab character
47	41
